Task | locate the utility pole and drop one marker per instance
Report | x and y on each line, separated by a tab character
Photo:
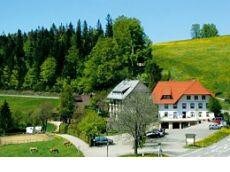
107	148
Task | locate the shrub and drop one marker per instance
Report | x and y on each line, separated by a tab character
89	126
21	120
63	128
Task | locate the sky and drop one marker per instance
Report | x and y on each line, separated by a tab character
162	20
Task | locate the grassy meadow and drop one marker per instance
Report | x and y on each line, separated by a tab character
23	149
26	104
207	60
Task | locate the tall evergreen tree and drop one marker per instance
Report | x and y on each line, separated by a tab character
85	39
99	29
5	118
109	26
79	36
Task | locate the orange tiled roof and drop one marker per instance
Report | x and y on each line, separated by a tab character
176	89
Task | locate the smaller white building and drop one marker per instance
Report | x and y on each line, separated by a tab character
29	130
121	92
181	103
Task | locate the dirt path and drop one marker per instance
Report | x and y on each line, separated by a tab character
56	123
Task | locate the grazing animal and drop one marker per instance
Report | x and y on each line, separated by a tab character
33	149
67	143
54	150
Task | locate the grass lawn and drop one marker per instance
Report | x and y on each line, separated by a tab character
207	60
213	138
26	104
23	150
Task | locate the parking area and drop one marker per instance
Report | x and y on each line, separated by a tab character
172	144
174	141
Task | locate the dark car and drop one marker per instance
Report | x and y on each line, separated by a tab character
101	140
156	133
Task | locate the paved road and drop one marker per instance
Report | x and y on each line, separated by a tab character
172	144
30	96
114	150
220	149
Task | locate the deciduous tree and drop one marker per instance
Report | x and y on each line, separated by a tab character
136	114
214	106
66	103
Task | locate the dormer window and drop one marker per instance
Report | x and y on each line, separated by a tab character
166	97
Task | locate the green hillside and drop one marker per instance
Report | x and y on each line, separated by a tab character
207	60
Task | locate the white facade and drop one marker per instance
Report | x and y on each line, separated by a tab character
121	91
189	108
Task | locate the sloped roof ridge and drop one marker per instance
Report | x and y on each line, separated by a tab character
190	85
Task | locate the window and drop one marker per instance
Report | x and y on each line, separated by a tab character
166	106
188	97
174	114
196	97
203	97
166	114
184	105
199	114
192	114
206	105
175	106
200	105
166	97
192	105
207	114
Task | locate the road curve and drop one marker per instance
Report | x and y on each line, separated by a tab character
219	149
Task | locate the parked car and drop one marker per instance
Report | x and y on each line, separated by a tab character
156	133
101	140
215	126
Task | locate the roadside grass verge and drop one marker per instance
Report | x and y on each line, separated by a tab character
43	147
213	138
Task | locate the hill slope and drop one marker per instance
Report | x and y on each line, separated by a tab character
207	60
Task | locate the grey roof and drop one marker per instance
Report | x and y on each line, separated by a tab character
123	89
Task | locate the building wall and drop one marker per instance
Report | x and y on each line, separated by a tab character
116	105
196	112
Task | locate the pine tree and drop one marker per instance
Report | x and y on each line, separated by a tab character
85	39
79	36
99	29
109	27
5	118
